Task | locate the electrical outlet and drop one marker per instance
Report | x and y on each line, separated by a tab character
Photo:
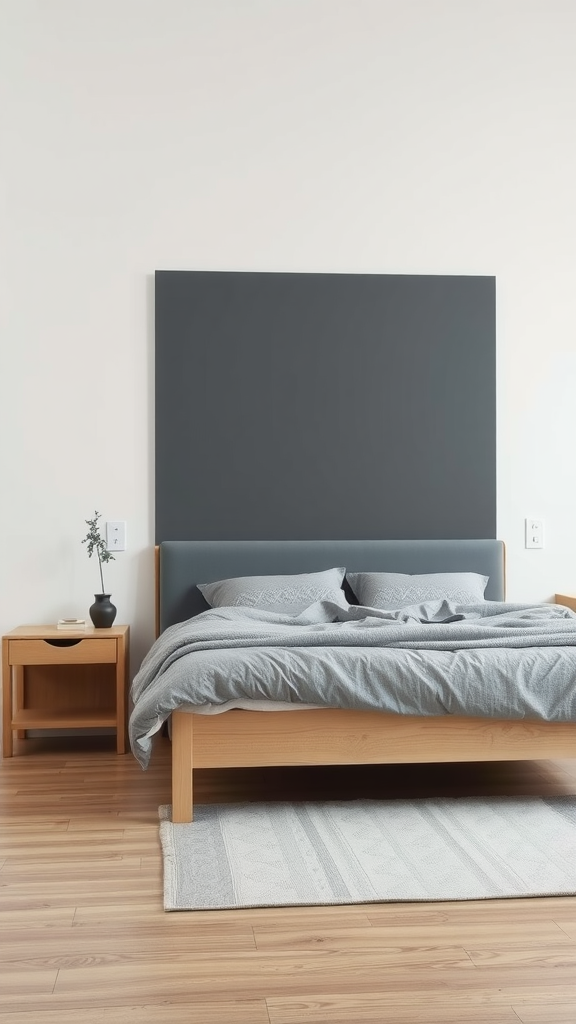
534	535
116	535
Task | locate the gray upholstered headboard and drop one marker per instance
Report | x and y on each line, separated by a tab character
184	563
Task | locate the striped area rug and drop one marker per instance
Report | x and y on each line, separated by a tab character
364	851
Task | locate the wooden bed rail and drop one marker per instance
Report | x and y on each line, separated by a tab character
330	736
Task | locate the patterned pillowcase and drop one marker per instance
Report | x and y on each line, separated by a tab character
389	590
289	595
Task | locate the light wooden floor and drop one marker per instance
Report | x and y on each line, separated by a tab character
83	937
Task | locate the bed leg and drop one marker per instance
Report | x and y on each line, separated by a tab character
182	762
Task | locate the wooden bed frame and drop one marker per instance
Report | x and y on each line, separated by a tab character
240	739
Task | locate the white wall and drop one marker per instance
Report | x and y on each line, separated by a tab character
422	136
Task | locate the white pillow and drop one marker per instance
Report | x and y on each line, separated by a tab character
289	595
389	590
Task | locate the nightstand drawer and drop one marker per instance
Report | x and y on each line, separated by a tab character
62	652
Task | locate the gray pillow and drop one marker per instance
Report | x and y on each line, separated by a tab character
287	594
388	590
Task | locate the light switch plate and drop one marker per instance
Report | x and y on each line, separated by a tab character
116	535
534	533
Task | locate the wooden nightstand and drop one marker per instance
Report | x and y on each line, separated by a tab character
75	652
565	599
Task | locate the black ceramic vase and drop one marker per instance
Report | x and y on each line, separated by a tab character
102	612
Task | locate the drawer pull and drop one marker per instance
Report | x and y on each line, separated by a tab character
63	643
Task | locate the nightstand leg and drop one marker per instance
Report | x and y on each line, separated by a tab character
121	659
7	748
20	704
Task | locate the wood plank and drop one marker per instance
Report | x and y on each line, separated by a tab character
35	922
147	913
555	1013
264	975
31	829
36	986
530	954
16	874
270	975
87	846
411	936
249	1011
558	909
374	1008
59	947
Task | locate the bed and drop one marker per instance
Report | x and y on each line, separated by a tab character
339	735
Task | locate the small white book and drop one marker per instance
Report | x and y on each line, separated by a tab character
71	624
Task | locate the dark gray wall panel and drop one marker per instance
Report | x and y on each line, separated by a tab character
324	406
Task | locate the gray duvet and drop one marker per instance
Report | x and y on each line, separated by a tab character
493	659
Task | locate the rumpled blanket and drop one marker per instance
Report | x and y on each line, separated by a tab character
493	659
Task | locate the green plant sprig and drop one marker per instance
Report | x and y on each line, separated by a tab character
96	543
